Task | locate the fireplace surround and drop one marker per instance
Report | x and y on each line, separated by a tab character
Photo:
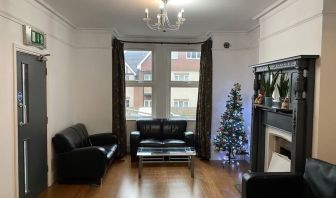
293	126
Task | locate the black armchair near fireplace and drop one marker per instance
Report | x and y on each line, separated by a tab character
317	181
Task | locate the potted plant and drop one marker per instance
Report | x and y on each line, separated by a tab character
283	87
268	86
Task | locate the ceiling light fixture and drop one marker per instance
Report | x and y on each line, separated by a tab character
163	24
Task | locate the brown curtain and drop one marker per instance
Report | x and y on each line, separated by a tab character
118	95
204	103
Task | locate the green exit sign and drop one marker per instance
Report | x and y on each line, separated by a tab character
37	38
34	37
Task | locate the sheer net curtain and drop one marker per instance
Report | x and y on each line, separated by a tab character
204	104
118	95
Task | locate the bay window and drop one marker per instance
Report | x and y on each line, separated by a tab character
161	81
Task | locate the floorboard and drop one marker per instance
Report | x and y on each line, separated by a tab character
212	180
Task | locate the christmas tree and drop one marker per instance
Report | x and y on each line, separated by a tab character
231	136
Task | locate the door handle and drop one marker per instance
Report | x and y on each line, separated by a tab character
23	104
25	165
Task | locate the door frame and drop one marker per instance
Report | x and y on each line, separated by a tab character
35	52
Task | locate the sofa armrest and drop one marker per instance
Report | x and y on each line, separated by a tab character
134	143
275	185
189	138
82	163
135	135
102	139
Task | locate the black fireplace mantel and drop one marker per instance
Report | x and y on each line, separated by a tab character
298	119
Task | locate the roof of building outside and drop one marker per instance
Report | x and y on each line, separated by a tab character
133	58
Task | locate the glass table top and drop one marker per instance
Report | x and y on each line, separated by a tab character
165	151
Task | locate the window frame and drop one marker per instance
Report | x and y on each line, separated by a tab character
141	83
181	84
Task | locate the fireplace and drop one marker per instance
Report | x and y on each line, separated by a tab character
284	131
278	141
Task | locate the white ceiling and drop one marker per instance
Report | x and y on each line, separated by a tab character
125	16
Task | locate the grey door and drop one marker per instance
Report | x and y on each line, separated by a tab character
32	129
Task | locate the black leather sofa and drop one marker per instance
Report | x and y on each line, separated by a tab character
83	158
160	133
317	181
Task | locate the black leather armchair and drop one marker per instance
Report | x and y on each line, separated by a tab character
81	157
160	133
318	181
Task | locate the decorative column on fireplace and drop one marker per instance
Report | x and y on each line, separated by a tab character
297	120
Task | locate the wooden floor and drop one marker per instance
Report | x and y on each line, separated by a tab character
211	180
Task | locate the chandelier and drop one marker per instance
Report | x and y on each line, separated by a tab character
163	24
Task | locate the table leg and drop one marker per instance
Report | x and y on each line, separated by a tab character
140	166
192	166
189	161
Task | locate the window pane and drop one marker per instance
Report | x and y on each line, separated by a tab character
198	55
139	101
127	102
174	55
183	101
147	103
138	65
193	55
183	68
147	77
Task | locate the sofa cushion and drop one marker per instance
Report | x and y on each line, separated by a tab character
151	143
83	133
150	129
67	140
320	177
173	129
174	143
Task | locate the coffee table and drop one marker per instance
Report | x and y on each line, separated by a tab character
166	155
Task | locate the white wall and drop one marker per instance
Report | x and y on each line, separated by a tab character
91	81
58	93
292	29
231	66
72	95
307	27
325	136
